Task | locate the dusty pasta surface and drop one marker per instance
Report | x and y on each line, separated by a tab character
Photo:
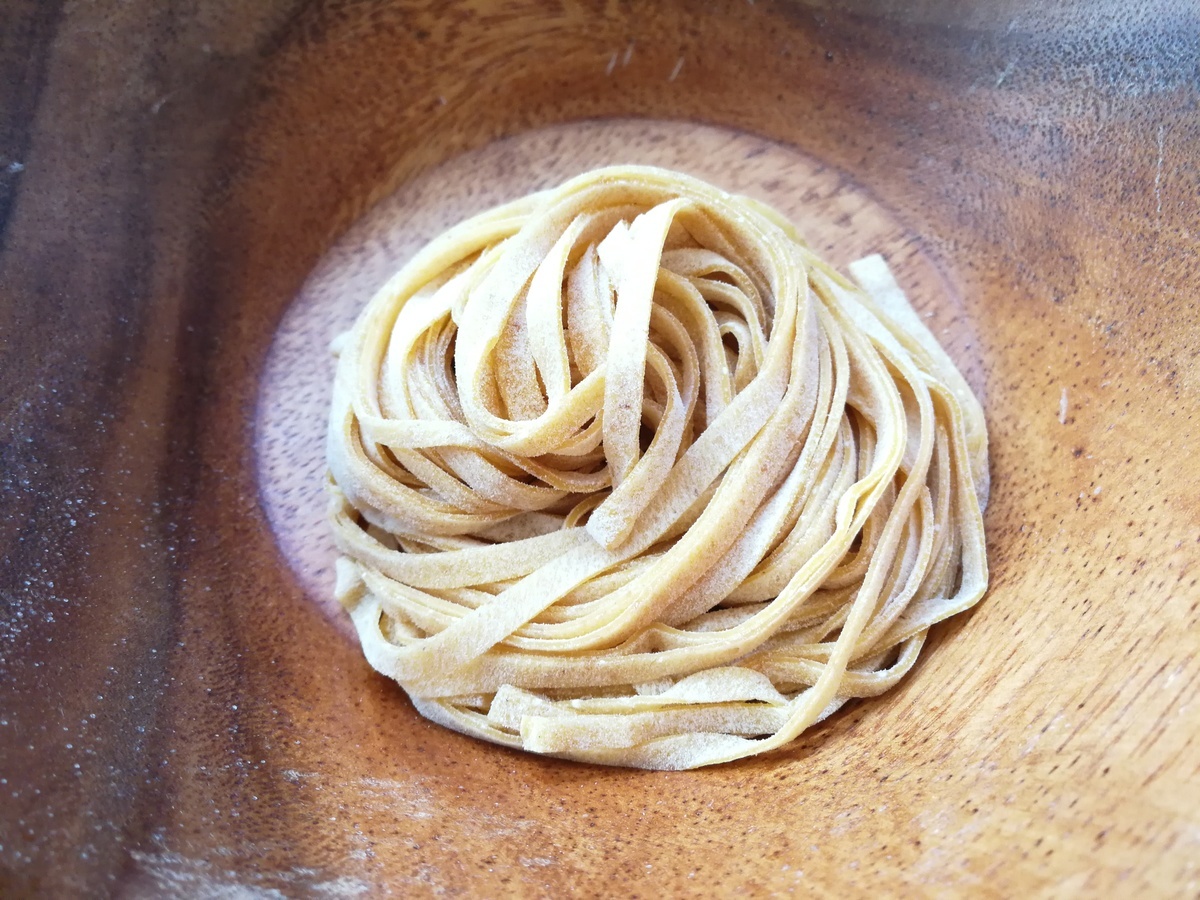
623	472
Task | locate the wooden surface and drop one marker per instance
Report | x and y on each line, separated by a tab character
178	718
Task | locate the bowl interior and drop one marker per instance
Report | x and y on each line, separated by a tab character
1033	178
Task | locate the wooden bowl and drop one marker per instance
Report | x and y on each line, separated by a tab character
181	716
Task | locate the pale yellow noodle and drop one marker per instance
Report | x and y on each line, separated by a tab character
623	472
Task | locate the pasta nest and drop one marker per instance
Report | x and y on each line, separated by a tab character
623	472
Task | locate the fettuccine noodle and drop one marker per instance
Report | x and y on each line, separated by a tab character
623	472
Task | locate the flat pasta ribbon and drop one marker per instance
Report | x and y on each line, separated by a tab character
623	472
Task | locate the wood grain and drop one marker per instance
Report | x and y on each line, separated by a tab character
176	718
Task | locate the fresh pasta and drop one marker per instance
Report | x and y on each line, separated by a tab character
623	472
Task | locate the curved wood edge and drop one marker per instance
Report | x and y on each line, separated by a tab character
1048	741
